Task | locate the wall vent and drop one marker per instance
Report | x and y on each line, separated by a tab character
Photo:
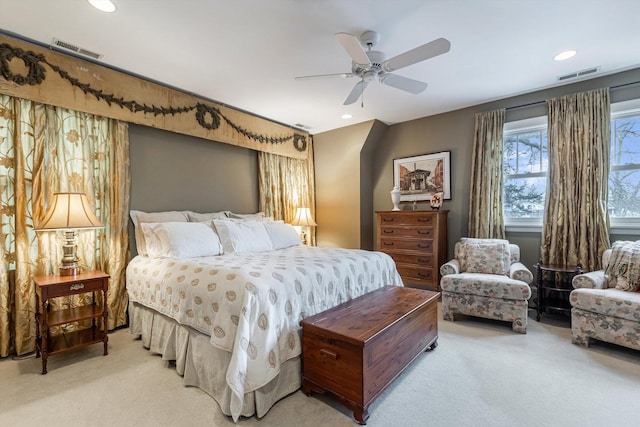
76	49
579	73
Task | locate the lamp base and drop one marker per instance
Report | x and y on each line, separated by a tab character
70	269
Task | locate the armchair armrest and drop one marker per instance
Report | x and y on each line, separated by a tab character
518	271
450	267
590	280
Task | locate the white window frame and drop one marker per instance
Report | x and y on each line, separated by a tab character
528	225
618	225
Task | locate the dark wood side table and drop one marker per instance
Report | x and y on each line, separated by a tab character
554	287
54	286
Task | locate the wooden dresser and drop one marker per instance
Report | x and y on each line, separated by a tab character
417	242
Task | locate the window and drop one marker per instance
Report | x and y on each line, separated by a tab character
525	171
624	172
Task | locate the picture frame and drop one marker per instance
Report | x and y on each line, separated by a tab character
419	177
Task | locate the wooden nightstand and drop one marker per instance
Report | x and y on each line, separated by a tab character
54	286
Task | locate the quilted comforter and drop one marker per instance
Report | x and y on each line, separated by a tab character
251	304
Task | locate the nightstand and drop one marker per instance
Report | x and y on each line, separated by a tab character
55	286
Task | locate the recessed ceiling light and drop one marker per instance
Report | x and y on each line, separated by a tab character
565	55
346	116
103	5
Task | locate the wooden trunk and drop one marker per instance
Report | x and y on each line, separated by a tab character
356	349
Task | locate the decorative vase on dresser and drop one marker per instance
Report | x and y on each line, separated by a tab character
417	242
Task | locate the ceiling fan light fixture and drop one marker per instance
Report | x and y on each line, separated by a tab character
103	5
346	116
565	55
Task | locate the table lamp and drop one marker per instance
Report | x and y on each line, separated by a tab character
303	219
69	212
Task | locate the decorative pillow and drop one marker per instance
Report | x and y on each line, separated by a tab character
258	216
139	217
202	217
282	235
624	265
243	236
490	256
180	240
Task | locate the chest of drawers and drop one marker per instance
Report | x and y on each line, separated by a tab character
417	242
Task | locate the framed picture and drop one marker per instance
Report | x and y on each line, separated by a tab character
419	177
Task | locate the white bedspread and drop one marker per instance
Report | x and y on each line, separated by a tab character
251	304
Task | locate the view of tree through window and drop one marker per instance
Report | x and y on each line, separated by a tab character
624	175
526	158
525	173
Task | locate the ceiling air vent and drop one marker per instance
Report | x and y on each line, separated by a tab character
76	49
579	73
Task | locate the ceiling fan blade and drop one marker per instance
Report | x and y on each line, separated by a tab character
403	83
418	54
352	45
355	92
321	76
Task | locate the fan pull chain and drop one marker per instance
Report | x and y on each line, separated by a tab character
362	93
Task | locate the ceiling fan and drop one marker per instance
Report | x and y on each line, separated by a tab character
370	65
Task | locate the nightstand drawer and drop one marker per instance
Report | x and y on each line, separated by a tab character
72	288
402	218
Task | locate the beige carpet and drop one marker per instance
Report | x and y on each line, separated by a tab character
481	374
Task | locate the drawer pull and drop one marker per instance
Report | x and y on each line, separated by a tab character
76	286
424	232
388	231
328	354
387	243
424	246
387	219
424	259
424	219
423	275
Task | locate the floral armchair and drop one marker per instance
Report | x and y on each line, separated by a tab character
486	279
605	304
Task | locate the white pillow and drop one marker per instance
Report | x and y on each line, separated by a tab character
202	217
139	217
243	236
180	240
282	235
258	216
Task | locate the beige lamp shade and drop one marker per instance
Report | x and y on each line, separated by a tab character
69	211
303	217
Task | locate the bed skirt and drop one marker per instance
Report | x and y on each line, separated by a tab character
204	366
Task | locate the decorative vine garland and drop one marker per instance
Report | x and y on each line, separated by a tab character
207	116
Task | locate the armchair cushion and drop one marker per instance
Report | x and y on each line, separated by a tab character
489	256
486	285
608	302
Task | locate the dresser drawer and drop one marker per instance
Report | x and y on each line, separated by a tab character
425	260
423	245
415	274
405	219
70	288
403	231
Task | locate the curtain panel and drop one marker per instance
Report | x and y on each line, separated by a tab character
486	218
43	150
576	222
286	184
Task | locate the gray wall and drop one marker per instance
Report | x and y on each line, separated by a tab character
453	131
170	171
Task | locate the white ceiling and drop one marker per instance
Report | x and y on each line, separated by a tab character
246	53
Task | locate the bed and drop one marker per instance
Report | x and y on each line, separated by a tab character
230	320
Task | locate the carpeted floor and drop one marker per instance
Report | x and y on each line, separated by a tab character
481	374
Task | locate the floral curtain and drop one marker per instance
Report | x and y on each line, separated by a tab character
43	150
285	185
575	229
486	219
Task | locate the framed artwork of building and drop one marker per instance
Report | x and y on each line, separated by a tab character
419	177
